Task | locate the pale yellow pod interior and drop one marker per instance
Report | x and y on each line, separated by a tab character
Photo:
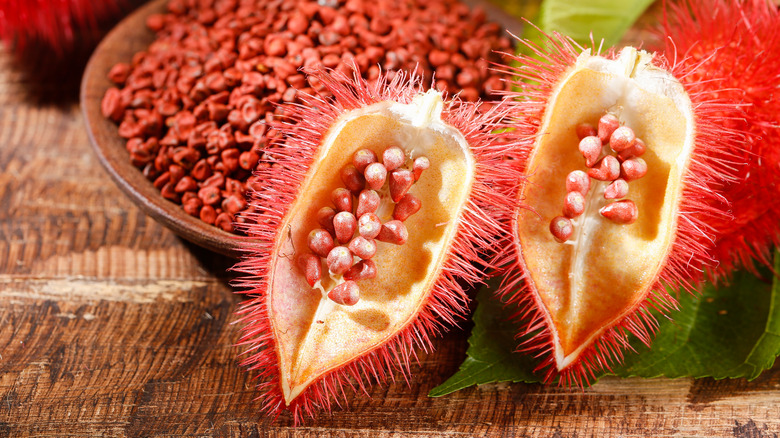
591	282
314	335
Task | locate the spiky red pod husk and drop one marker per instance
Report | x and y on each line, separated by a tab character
477	239
737	44
54	23
716	156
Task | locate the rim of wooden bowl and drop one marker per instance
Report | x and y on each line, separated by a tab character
129	37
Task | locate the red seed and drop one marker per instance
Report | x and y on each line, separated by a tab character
442	85
216	82
573	204
344	224
633	168
215	180
346	294
363	158
340	25
331	60
380	25
636	150
321	242
258	129
311	265
234	187
225	221
621	212
469	94
339	260
342	199
210	195
607	169
375	175
111	105
192	206
328	39
186	184
189	196
150	171
298	23
325	217
468	77
195	140
136	145
561	228
406	206
400	181
352	178
155	22
362	270
208	214
119	73
590	148
393	158
438	57
608	123
368	202
393	232
622	138
275	47
248	159
369	225
217	111
362	247
586	130
420	164
233	204
616	190
186	157
177	172
201	170
578	181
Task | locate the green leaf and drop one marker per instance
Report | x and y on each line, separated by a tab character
606	19
731	331
490	356
518	8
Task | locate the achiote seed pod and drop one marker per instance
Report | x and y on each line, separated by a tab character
310	332
737	46
586	283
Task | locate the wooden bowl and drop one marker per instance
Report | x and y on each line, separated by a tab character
129	37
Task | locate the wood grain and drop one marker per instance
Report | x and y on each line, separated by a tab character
113	326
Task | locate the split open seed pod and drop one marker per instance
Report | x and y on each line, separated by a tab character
624	166
376	213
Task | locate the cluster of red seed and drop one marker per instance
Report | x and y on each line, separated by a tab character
336	242
200	106
597	146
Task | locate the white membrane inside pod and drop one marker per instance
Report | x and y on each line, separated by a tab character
605	270
314	335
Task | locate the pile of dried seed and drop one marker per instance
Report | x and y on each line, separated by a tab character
200	105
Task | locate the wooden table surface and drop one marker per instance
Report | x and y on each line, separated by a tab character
113	326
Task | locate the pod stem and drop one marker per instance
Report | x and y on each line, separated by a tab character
431	105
